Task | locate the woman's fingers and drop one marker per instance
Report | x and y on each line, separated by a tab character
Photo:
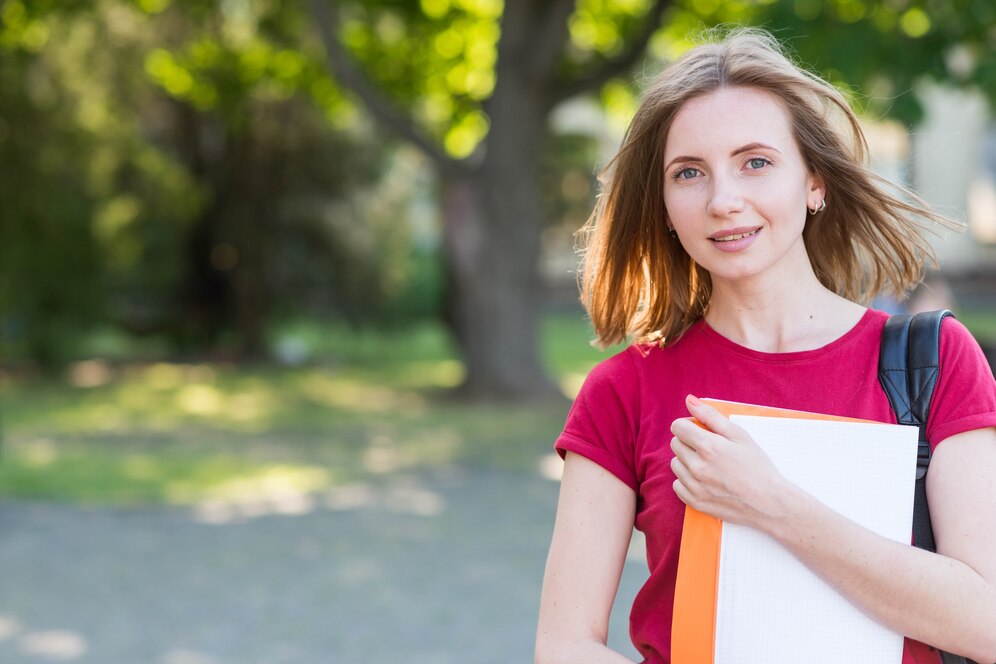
685	465
693	436
712	419
679	467
681	449
685	484
715	462
682	492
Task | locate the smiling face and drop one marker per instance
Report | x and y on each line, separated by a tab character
736	186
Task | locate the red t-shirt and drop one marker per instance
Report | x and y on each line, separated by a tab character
621	420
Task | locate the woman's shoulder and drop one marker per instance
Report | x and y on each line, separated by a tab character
954	332
955	338
959	348
965	394
620	367
623	370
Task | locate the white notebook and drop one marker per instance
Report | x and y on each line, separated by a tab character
770	607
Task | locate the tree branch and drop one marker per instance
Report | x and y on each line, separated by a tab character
620	64
349	74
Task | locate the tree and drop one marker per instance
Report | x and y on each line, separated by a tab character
86	199
191	154
186	128
489	197
254	122
482	119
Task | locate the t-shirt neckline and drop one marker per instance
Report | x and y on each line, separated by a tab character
715	337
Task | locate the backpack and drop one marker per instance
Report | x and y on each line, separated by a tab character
907	369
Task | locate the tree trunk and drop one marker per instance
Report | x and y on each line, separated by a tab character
492	293
491	209
493	222
218	298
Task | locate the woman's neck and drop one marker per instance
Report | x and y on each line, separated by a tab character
780	318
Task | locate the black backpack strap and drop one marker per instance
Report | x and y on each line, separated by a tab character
908	366
948	658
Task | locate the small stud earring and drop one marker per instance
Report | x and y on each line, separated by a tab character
672	232
820	207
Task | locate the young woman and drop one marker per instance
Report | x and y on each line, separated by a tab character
736	237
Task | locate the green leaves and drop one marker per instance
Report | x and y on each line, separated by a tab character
885	48
22	28
437	61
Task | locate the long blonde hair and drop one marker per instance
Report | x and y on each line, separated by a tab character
638	283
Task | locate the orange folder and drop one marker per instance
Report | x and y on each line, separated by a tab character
693	623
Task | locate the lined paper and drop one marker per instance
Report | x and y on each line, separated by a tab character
770	607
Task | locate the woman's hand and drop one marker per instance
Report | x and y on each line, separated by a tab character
722	471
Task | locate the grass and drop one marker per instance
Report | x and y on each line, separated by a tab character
367	406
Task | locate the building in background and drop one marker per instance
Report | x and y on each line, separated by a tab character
953	167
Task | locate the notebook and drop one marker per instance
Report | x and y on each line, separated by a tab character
742	597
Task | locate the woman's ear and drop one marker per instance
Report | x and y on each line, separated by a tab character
817	192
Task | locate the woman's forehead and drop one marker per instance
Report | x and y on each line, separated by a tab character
728	118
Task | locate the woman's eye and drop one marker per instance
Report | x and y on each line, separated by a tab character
685	173
758	162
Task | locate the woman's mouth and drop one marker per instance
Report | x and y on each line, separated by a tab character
735	236
733	240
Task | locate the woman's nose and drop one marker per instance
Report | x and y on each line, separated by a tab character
724	198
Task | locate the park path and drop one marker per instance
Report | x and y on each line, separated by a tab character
425	569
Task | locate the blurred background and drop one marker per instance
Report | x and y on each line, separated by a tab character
288	310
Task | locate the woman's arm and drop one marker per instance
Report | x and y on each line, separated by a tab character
946	600
590	539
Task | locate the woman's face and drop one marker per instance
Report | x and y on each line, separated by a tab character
736	186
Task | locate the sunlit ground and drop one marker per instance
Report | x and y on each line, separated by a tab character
237	441
58	645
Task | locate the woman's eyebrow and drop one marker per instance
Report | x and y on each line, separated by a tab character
681	158
740	150
753	146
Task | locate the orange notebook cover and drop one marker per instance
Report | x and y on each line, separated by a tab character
693	623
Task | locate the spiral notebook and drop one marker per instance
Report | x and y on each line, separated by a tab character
743	598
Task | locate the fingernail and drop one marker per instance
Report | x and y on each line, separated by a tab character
694	400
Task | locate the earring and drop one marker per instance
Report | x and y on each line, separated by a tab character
673	233
820	207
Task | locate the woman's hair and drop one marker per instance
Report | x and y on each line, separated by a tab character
637	281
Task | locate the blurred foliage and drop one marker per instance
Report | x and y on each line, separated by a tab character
187	170
568	185
885	49
437	57
40	231
179	172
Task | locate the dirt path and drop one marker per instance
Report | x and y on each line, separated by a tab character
426	570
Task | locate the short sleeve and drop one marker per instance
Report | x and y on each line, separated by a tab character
965	395
602	423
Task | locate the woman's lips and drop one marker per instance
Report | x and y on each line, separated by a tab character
734	234
735	239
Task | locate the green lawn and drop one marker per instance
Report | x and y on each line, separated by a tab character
368	405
